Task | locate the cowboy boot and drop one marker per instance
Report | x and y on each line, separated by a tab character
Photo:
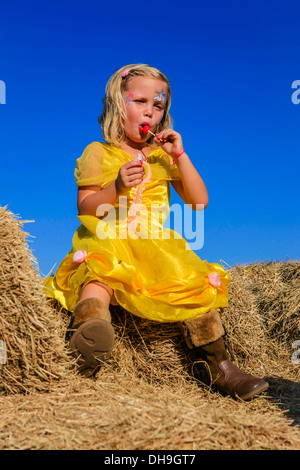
204	335
90	335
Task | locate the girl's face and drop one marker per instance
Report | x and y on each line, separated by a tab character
145	102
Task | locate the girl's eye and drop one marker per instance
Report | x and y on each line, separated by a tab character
157	105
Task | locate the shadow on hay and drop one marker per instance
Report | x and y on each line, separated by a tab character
285	394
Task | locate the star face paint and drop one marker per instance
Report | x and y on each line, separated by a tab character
160	97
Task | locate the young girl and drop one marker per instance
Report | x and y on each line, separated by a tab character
121	252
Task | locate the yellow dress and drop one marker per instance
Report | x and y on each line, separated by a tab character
151	269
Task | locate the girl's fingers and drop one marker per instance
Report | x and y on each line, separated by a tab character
132	169
132	164
169	140
135	176
136	182
135	163
167	133
135	170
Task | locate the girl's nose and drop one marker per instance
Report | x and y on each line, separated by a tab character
148	111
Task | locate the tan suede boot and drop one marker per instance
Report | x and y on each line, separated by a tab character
90	335
205	336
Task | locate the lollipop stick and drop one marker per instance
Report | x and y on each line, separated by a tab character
151	133
146	129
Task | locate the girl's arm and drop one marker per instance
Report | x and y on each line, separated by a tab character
91	198
191	188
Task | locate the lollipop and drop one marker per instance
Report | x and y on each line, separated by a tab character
146	128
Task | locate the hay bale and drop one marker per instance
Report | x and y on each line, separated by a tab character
114	413
145	396
30	331
263	317
149	350
262	321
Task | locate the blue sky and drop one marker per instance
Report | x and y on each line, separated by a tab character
231	65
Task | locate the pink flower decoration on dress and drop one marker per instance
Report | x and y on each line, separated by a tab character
79	256
214	279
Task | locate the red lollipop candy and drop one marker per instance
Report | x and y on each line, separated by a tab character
146	128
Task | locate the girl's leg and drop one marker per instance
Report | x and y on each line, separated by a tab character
99	290
205	335
92	333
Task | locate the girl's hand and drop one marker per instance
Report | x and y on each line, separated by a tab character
170	141
131	174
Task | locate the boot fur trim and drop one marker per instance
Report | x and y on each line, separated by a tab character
202	330
89	308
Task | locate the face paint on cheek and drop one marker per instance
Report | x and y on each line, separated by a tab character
128	98
160	97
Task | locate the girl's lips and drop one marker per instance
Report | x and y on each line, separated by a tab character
145	127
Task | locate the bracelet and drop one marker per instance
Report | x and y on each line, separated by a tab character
177	155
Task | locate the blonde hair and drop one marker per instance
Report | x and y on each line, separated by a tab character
114	112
